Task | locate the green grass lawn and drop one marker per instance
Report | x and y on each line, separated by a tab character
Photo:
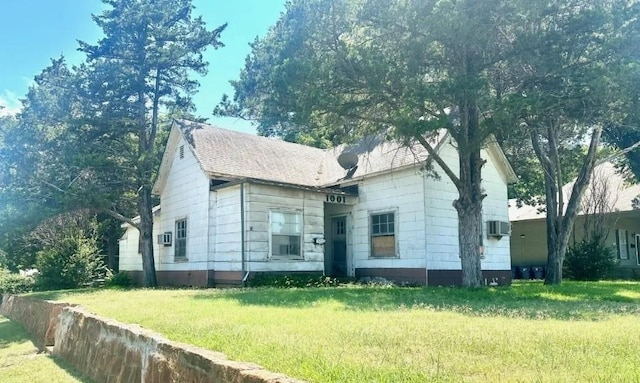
578	332
21	362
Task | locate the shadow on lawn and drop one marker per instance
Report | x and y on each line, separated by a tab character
586	301
12	333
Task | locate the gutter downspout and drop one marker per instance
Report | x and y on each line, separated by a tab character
245	274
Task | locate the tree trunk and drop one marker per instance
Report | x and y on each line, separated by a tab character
111	252
560	223
555	254
146	237
469	232
469	208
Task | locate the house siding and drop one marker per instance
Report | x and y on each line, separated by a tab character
400	192
185	195
442	218
224	230
260	199
529	247
130	259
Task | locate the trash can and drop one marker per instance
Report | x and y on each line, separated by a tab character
514	272
538	272
525	272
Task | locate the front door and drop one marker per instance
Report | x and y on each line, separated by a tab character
339	246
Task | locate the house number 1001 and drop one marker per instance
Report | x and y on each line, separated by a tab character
336	198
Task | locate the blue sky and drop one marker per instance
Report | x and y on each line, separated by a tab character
33	31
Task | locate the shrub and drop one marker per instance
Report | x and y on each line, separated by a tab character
14	283
77	264
119	279
589	260
294	280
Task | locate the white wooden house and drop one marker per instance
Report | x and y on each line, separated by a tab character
234	205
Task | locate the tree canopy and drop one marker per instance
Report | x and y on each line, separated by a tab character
92	134
543	72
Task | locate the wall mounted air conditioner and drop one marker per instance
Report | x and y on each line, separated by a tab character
165	238
498	229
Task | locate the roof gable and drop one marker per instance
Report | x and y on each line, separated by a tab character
233	155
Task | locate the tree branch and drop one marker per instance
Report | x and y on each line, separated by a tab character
432	152
122	218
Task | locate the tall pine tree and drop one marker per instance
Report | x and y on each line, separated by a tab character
143	64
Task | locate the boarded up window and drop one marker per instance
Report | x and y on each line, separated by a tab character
383	235
181	239
286	234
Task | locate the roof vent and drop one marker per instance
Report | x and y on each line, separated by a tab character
348	160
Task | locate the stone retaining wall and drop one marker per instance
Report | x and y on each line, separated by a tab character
108	351
38	317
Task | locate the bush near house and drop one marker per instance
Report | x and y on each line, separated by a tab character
119	279
589	260
14	283
74	265
293	280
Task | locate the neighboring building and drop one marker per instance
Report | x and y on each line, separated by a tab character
609	202
235	204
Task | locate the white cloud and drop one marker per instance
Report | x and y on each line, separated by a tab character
9	103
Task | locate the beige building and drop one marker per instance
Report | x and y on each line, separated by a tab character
610	203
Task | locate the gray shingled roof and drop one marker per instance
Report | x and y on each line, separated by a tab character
620	195
375	155
234	154
228	153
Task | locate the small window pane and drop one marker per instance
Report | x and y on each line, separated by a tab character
286	234
181	239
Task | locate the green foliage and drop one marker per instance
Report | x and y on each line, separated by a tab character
332	71
119	279
76	264
294	280
15	283
589	260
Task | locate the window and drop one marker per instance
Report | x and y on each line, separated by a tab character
286	234
383	235
181	239
623	244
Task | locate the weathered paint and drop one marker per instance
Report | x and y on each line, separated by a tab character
260	199
441	224
426	222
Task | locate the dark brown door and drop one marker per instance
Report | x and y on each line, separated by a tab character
339	246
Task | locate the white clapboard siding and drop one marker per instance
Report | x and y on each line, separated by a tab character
442	219
129	258
260	199
400	192
185	195
226	252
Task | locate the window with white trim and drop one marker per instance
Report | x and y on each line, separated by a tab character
383	235
181	239
286	234
623	244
